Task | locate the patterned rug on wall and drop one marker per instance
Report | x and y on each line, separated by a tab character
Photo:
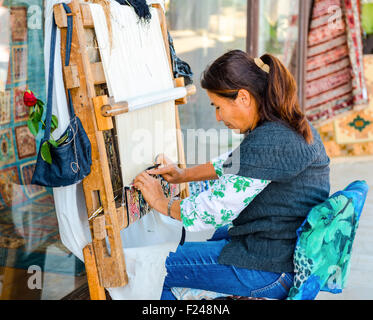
335	78
352	135
358	126
28	223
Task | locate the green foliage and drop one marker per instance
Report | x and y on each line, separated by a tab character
367	17
33	126
46	153
35	121
54	124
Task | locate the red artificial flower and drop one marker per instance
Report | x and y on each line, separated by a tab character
29	98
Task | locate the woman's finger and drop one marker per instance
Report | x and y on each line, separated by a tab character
167	177
164	170
140	178
138	185
147	177
163	159
159	159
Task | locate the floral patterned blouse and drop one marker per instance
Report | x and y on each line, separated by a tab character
222	202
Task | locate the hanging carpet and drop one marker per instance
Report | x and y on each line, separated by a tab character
335	75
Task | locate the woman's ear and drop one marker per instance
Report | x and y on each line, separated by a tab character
244	97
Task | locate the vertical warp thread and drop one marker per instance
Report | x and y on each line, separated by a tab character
140	6
106	6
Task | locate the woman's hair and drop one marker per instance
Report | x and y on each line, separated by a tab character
275	92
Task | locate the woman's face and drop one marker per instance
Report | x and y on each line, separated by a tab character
240	114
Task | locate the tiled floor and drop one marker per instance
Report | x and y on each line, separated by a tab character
360	282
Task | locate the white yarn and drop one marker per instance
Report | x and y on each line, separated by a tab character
136	66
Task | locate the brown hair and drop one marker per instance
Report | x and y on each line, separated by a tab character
275	92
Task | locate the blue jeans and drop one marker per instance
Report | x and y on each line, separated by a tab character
195	265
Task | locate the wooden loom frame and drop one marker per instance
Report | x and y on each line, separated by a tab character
104	269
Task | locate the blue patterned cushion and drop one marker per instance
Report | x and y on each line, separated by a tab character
323	249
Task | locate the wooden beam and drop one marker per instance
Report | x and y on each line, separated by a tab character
162	20
60	16
71	76
105	266
99	230
96	291
86	15
122	217
184	188
180	82
111	267
98	73
103	123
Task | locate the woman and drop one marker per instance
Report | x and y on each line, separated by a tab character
265	187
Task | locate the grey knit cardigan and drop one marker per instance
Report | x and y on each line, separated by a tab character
263	236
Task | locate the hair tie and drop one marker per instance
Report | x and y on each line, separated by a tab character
259	62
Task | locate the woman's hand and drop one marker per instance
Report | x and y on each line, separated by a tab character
170	172
152	191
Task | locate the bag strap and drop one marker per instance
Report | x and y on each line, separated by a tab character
69	37
48	118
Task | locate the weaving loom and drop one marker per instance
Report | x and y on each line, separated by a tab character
109	110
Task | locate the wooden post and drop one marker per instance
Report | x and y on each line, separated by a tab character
305	8
252	27
184	188
96	291
97	185
105	266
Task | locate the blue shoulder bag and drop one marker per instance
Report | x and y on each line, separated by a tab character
71	160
